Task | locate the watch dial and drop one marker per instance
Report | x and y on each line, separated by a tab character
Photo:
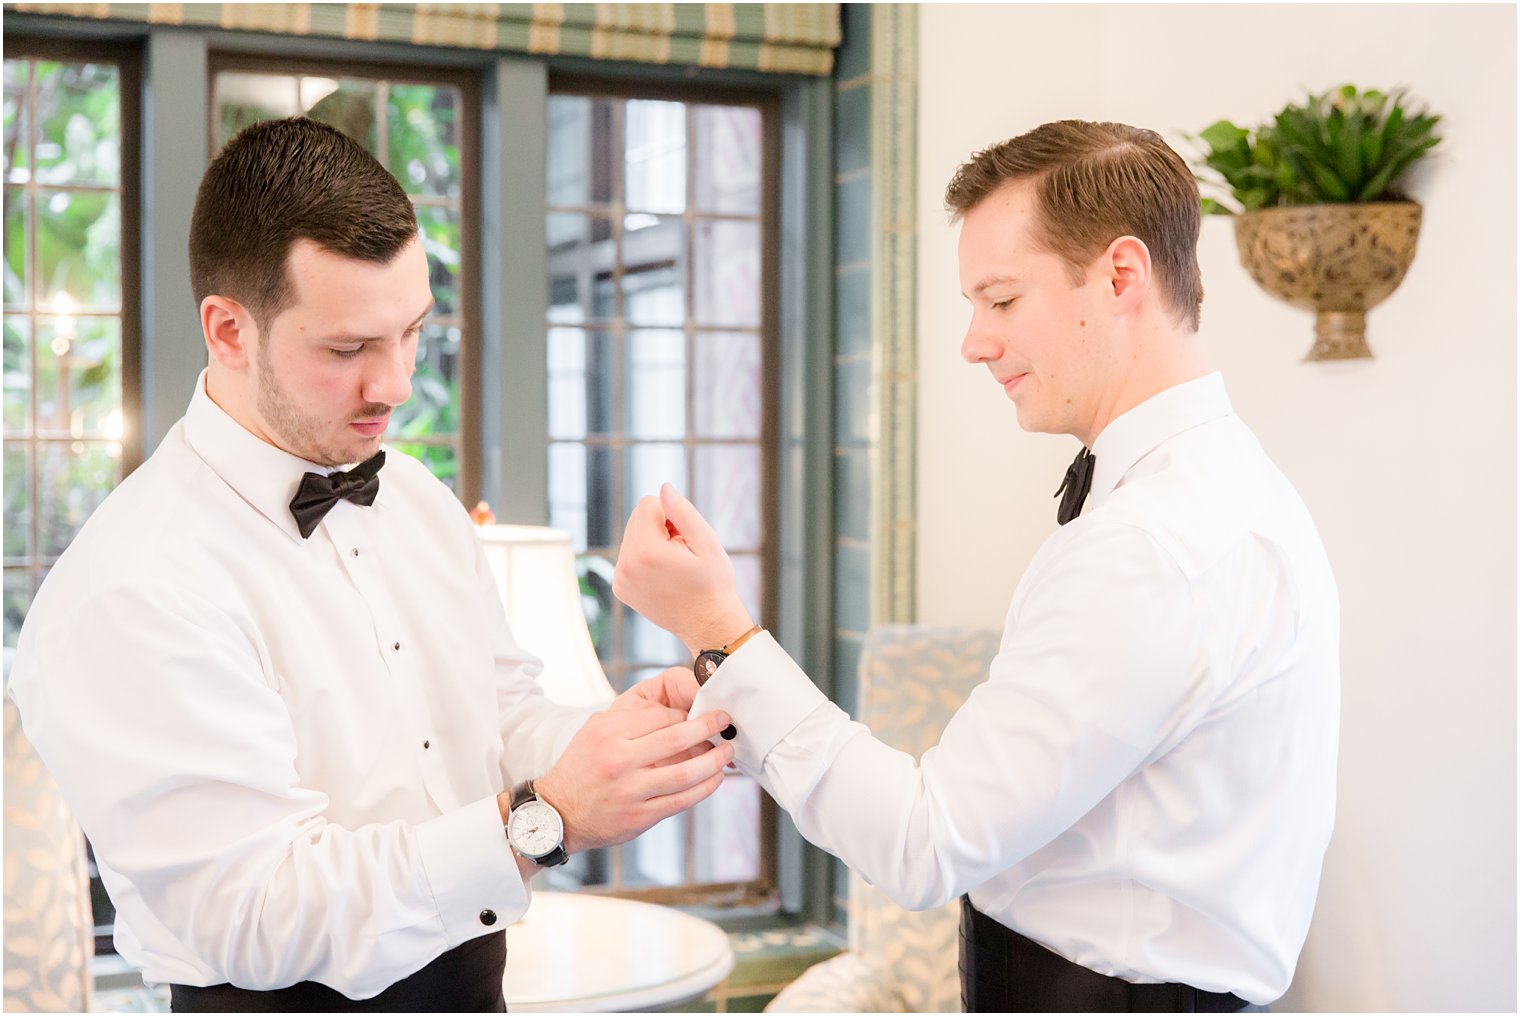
535	829
707	665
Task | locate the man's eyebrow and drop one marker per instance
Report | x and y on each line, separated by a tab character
989	282
346	337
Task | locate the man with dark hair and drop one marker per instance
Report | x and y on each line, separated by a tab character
276	687
1134	807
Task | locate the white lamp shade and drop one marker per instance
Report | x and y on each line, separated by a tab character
534	568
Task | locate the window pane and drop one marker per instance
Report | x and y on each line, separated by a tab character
422	130
648	466
16	291
79	376
72	479
728	159
728	492
726	392
580	493
595	574
244	99
655	156
747	581
433	409
647	643
654	270
346	105
18	374
18	597
440	238
581	376
656	384
728	832
580	141
596	586
79	250
580	255
18	503
17	153
726	278
79	115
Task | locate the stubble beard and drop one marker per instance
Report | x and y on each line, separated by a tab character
297	431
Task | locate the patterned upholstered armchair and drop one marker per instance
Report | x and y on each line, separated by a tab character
48	934
912	678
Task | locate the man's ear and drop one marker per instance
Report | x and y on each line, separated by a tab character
1128	267
231	336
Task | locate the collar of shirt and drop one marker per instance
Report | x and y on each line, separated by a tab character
263	475
1135	434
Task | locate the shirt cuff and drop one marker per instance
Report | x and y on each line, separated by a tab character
765	693
476	885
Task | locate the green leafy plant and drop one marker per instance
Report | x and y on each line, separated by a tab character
1342	146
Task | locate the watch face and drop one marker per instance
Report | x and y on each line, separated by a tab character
535	829
707	664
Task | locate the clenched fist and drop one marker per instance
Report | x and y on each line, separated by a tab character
672	569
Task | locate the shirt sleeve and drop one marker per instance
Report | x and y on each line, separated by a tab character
1101	666
152	710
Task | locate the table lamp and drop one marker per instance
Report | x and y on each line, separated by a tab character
534	568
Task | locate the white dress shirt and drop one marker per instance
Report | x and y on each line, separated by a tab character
285	752
1145	783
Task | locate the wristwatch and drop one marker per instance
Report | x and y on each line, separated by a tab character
534	829
709	660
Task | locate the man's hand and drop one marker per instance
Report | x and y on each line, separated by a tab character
629	768
672	569
675	688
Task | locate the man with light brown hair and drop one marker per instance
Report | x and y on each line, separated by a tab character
1135	805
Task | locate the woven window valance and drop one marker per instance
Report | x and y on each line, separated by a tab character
779	38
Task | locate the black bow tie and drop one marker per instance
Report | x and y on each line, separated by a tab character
1073	489
317	493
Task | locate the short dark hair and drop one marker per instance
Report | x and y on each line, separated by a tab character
280	181
1096	182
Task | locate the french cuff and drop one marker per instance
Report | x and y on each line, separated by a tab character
476	885
765	693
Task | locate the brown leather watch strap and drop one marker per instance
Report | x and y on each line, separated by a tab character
733	646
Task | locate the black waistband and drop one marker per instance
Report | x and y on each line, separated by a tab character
467	978
1003	971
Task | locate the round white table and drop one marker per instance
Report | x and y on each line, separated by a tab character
581	953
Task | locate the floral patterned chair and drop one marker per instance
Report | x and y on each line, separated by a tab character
912	679
48	928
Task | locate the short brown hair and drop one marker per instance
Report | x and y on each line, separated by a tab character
280	181
1095	183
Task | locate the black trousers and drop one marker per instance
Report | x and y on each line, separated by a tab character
1002	971
467	978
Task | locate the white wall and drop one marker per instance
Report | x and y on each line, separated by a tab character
1407	461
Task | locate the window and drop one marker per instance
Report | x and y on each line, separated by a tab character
70	290
661	211
70	331
657	365
416	125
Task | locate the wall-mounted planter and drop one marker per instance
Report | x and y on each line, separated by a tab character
1336	260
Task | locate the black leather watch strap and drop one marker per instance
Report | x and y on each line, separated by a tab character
559	855
521	795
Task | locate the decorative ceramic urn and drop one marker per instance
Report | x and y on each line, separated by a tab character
1336	260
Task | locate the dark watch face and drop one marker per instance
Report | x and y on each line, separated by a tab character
707	664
